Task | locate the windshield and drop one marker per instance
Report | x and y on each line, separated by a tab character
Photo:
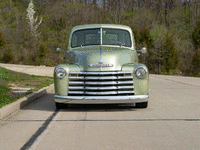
104	36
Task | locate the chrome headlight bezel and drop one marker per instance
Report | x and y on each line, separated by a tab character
140	72
60	72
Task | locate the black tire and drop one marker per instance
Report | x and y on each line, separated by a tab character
142	105
60	105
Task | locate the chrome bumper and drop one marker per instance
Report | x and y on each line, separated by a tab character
100	100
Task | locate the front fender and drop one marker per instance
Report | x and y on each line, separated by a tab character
141	86
61	85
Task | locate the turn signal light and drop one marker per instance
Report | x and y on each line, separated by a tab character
74	75
128	74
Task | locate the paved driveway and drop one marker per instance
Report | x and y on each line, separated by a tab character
34	70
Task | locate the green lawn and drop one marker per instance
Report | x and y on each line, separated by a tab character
10	78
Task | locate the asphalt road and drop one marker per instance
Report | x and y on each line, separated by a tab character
172	121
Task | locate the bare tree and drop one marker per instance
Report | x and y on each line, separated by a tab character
33	23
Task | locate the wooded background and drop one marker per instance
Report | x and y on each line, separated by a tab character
170	29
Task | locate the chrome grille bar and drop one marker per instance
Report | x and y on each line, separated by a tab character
75	92
76	78
101	78
101	88
123	92
125	82
101	83
101	93
76	83
101	73
125	87
109	83
125	77
76	87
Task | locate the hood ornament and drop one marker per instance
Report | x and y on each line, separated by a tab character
100	64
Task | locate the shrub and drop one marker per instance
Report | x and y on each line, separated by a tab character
42	53
146	37
2	41
196	62
7	56
196	35
171	54
137	36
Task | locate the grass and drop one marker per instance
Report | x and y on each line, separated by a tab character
10	79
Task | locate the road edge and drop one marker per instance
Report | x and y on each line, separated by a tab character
9	109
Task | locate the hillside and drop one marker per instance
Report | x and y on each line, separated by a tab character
170	29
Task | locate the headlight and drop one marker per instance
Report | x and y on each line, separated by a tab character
60	73
140	72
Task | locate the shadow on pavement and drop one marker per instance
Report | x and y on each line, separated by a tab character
98	107
46	103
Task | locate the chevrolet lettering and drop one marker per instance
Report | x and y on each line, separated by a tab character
101	64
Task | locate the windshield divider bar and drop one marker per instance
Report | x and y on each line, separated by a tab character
101	36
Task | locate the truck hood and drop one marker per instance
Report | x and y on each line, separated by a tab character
106	59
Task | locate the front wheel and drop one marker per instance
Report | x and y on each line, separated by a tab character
142	105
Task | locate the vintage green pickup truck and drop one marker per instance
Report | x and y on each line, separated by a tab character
101	67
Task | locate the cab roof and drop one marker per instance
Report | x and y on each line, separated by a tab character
80	27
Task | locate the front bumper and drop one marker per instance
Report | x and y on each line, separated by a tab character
100	100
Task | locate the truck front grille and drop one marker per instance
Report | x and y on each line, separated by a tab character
100	84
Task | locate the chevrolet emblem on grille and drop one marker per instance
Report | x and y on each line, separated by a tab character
100	64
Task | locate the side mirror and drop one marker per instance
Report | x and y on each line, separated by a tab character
144	50
58	50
